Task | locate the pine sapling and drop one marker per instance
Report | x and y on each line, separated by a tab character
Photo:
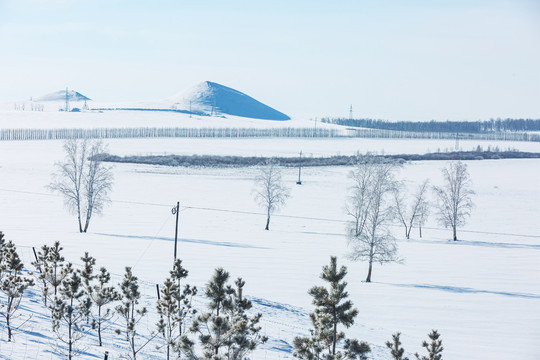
13	284
434	348
102	295
225	331
331	310
69	312
395	347
131	313
174	306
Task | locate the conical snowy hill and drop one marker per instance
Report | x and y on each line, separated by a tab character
61	96
212	98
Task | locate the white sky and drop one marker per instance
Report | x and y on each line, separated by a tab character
397	60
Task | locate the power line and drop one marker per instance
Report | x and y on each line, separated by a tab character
264	214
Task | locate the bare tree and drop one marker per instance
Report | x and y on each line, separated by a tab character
454	198
410	216
97	182
68	180
370	206
270	191
82	179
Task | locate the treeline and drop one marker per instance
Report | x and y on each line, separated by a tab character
218	161
492	125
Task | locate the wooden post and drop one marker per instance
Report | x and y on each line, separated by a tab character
299	182
175	211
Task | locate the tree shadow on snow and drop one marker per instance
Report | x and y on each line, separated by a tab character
466	290
183	240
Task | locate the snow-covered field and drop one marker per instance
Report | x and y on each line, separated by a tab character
482	293
10	119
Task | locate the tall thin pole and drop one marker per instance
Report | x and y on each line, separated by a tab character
299	182
175	211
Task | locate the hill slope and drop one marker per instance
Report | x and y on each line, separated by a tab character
212	98
61	96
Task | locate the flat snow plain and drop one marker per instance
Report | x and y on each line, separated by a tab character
482	293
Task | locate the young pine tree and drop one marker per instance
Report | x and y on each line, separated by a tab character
131	313
102	295
69	313
395	347
12	284
434	348
87	275
52	270
225	331
174	306
331	310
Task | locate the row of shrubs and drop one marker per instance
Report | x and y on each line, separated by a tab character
337	160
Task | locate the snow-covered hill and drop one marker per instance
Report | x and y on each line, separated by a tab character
211	98
61	95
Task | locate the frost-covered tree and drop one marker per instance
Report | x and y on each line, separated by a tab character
434	348
52	269
102	295
370	205
82	179
270	191
332	309
98	182
13	283
69	313
175	306
395	347
410	213
454	198
226	331
131	313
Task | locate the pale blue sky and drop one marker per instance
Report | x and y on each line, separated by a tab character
399	60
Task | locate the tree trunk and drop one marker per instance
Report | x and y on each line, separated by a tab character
455	236
99	326
8	326
368	279
80	224
334	339
420	229
267	221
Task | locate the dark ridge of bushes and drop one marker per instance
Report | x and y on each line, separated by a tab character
338	160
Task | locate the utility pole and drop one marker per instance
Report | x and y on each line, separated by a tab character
67	101
299	182
175	211
350	113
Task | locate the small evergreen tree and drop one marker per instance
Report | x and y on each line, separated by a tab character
69	312
87	275
13	283
102	295
331	309
52	270
434	348
395	347
131	313
174	306
226	331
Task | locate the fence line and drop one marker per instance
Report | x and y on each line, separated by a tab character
288	132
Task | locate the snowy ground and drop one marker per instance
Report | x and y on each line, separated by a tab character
482	293
10	119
